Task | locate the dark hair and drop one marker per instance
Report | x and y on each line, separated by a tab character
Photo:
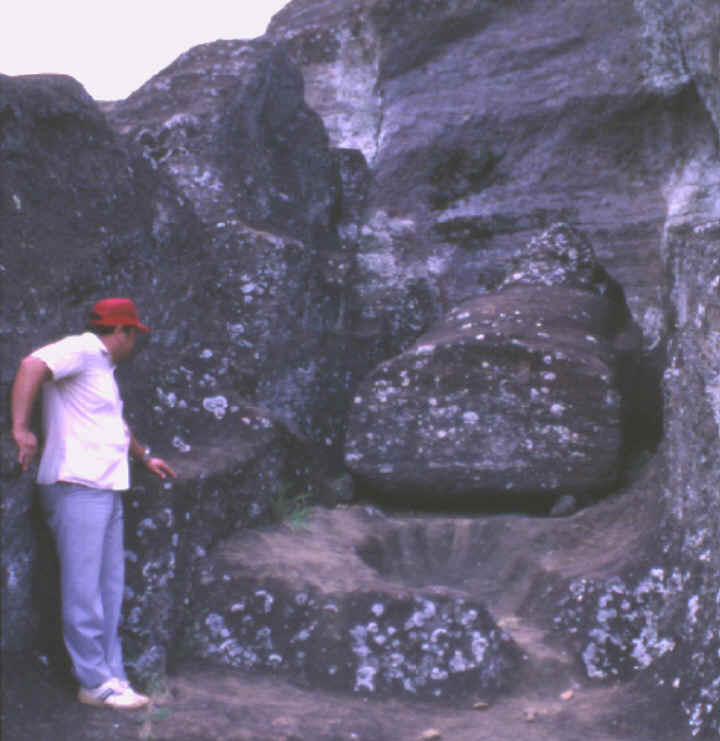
103	329
100	331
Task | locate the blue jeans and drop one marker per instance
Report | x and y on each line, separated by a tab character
88	528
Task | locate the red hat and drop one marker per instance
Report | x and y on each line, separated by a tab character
116	312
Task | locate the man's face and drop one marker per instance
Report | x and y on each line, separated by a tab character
124	342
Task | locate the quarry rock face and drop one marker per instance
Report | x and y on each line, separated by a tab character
85	215
330	620
484	123
238	477
517	391
76	222
227	125
353	208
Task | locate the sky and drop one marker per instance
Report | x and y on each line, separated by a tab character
113	47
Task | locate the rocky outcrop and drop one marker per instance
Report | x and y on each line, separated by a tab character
287	242
330	619
518	391
242	475
76	221
227	125
484	123
659	616
234	314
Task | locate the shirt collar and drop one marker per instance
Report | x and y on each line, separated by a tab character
101	346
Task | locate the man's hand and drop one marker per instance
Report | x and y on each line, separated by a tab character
159	467
27	444
31	375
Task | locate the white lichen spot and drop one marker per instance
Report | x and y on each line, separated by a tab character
419	617
180	444
436	265
216	405
169	399
365	678
269	599
612	398
145	525
216	624
693	606
438	634
458	663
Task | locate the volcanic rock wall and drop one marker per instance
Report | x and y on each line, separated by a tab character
291	212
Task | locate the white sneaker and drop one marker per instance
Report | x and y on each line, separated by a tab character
128	690
115	693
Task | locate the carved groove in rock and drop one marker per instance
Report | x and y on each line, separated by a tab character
330	621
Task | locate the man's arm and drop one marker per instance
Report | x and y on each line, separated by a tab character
30	377
157	465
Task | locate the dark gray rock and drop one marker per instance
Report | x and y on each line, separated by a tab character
232	478
76	222
227	124
518	391
233	112
457	131
659	616
328	619
483	123
239	314
19	552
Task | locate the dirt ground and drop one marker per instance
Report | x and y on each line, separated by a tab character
203	703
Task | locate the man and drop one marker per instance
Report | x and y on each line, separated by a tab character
83	470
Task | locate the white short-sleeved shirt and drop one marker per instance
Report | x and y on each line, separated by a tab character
86	438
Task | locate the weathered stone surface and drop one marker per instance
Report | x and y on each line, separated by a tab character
485	122
76	222
228	126
238	316
234	480
329	619
234	112
661	614
479	124
19	552
517	391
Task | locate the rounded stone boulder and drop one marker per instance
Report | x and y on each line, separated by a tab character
515	391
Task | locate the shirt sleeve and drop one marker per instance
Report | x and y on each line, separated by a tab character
65	357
